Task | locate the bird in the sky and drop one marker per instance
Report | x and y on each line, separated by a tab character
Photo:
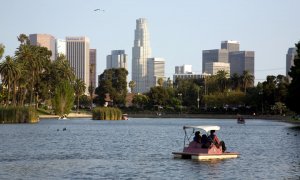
99	10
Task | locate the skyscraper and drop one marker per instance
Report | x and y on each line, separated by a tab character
214	55
78	54
241	61
141	51
60	47
183	69
290	56
43	40
117	59
155	70
230	45
93	64
213	67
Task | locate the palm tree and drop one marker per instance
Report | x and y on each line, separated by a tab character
10	73
91	88
23	39
160	81
235	81
247	80
79	87
169	82
2	47
132	85
222	79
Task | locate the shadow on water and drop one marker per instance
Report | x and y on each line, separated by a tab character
295	128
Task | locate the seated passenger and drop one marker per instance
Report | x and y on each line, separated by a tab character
197	137
215	140
204	141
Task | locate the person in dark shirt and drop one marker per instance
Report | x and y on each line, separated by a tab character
204	141
197	137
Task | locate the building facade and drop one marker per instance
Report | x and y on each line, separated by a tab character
213	67
141	51
290	56
78	55
117	59
183	69
231	46
44	40
156	70
190	76
93	65
241	61
60	47
214	55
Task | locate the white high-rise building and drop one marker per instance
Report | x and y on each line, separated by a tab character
156	70
141	51
60	47
117	59
78	54
184	69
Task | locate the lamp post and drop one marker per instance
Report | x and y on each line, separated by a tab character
198	99
180	95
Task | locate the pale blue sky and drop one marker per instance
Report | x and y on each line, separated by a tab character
179	30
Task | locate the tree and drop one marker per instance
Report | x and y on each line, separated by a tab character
222	79
140	100
79	88
114	83
158	96
63	98
160	81
169	82
34	59
235	81
132	86
247	80
2	47
293	97
10	74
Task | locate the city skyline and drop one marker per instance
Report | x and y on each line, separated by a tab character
179	30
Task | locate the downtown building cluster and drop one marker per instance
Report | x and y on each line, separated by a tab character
76	50
228	58
146	70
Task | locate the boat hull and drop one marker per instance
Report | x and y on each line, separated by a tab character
203	156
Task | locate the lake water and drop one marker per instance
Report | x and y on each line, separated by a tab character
142	149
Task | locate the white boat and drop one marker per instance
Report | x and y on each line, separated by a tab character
63	117
196	151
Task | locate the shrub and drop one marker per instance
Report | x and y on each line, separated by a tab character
18	115
106	113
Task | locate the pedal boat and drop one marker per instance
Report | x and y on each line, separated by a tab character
194	150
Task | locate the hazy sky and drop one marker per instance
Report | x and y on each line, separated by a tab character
179	30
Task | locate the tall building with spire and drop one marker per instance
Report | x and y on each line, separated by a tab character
141	51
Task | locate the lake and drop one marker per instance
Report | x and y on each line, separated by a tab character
141	148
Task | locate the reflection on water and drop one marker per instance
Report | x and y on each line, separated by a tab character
141	149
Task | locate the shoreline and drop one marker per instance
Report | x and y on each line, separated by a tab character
286	119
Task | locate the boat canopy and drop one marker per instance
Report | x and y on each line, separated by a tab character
205	128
